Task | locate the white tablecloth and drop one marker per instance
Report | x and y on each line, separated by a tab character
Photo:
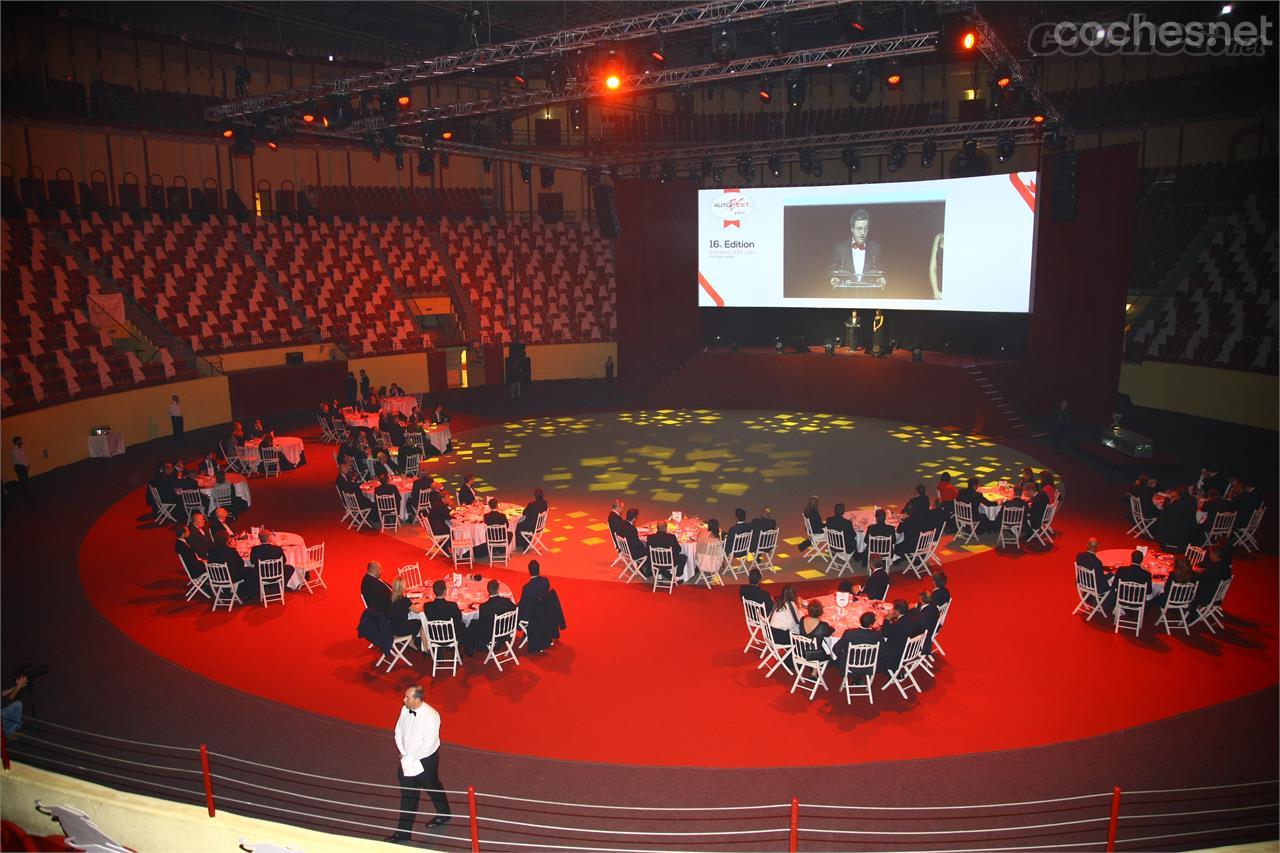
290	447
991	512
439	436
404	485
471	519
295	551
469	596
360	419
239	487
400	405
111	444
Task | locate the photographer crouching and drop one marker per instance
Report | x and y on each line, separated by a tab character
11	707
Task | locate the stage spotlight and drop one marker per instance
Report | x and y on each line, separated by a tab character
242	147
575	117
860	83
765	90
745	166
612	82
446	134
852	21
1225	10
777	345
806	160
724	44
684	101
852	161
547	177
893	74
658	50
1004	148
526	172
1037	118
959	37
612	75
706	167
1002	77
796	90
273	143
228	131
426	163
775	164
521	75
404	99
928	152
829	347
968	151
777	35
818	168
897	156
556	76
308	116
969	39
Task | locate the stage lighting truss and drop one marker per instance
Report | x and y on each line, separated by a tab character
665	21
990	46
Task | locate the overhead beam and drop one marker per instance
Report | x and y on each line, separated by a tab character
990	46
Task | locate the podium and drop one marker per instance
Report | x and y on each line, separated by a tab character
842	279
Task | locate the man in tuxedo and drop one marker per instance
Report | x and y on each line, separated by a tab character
926	613
918	503
366	387
1144	489
901	626
752	591
421	485
837	521
440	517
639	550
532	592
1035	508
1213	506
971	496
374	590
941	595
914	522
1177	525
494	517
857	254
1016	501
347	483
201	538
1215	570
382	465
529	520
879	528
162	481
1211	479
660	538
740	525
245	577
490	610
467	492
766	521
864	635
877	585
1088	559
441	609
184	481
218	525
1134	573
384	487
266	550
615	520
190	559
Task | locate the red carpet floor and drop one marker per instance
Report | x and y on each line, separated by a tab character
661	680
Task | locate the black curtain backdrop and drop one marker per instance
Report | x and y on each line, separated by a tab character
659	325
287	388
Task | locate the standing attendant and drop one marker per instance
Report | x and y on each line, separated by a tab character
21	465
418	741
608	368
175	416
366	387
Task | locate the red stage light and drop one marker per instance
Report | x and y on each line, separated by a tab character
520	79
1038	118
447	135
765	95
658	56
324	120
1004	81
273	145
612	82
893	80
228	133
309	118
404	100
969	40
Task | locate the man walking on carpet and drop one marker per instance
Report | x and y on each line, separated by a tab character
418	742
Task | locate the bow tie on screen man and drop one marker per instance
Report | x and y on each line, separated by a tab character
857	254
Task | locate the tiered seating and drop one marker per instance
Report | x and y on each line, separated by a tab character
52	352
1217	92
469	248
402	201
195	279
334	272
414	261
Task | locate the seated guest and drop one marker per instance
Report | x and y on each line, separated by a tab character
191	561
1015	502
218	525
879	528
1215	569
467	492
971	496
209	466
391	425
877	585
237	437
938	518
784	620
1026	478
1047	486
740	525
374	590
946	491
348	483
660	538
1177	527
421	485
529	520
1246	502
162	481
490	610
395	390
440	519
184	481
635	544
441	609
1214	505
1134	573
404	622
760	525
914	522
1210	480
812	626
267	550
918	503
201	538
615	520
752	591
837	521
941	595
1088	559
439	416
845	585
382	391
382	466
1182	573
385	488
324	412
926	613
708	558
540	610
1144	489
258	430
865	635
897	630
493	517
1036	507
534	589
814	516
245	577
371	405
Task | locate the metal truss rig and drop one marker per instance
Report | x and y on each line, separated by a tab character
990	46
672	78
670	20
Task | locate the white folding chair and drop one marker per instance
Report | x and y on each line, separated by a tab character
735	558
461	547
269	461
233	458
399	645
1090	595
498	543
766	548
502	641
1211	614
918	559
776	654
411	464
839	557
966	525
437	541
1247	536
757	627
411	574
313	573
710	563
340	430
442	645
1131	597
1044	533
357	517
1177	606
271	574
388	512
250	460
533	541
163	511
809	673
223	495
857	661
632	569
880	546
223	587
1195	555
1141	524
197	584
663	560
192	502
326	431
904	674
817	542
1011	518
1221	529
422	512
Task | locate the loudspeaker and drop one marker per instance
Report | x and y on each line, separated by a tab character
1062	186
293	358
606	212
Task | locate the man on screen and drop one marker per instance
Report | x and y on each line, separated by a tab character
857	254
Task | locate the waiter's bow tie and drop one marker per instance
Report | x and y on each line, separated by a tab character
859	246
412	713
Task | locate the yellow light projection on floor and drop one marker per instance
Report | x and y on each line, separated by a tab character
983	470
670	417
928	437
550	427
803	422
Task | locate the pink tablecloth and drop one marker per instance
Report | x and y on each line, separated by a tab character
399	405
295	551
404	485
356	418
290	447
469	596
1157	562
864	518
841	620
239	486
998	492
686	531
471	518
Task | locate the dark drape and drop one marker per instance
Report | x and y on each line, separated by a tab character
288	388
657	273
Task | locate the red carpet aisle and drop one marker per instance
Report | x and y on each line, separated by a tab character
656	679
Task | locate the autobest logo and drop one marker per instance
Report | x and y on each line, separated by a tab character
731	207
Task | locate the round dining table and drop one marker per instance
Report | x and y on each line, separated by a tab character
399	405
403	484
842	618
471	519
864	518
467	590
295	551
290	447
686	530
1158	563
357	418
239	487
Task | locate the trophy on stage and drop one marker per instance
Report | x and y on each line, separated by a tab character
848	279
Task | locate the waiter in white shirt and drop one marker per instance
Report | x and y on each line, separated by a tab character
175	415
418	740
21	465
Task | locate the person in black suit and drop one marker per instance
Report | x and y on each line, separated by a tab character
439	416
865	635
941	595
245	577
191	561
877	585
162	481
971	496
533	591
1035	508
1144	489
1177	525
1088	559
814	627
1213	506
382	465
617	524
374	590
467	492
529	520
1015	502
385	488
348	484
441	609
766	521
917	504
218	525
926	613
184	481
635	544
494	518
752	591
1211	480
814	516
421	485
1133	573
349	389
490	610
879	528
1246	502
857	254
201	537
897	629
366	387
660	538
1215	570
837	521
740	525
914	522
267	550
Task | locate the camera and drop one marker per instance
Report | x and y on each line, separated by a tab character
31	670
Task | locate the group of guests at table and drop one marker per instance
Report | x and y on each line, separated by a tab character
1213	493
170	478
354	390
540	613
622	524
208	540
256	430
365	443
1215	569
786	617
